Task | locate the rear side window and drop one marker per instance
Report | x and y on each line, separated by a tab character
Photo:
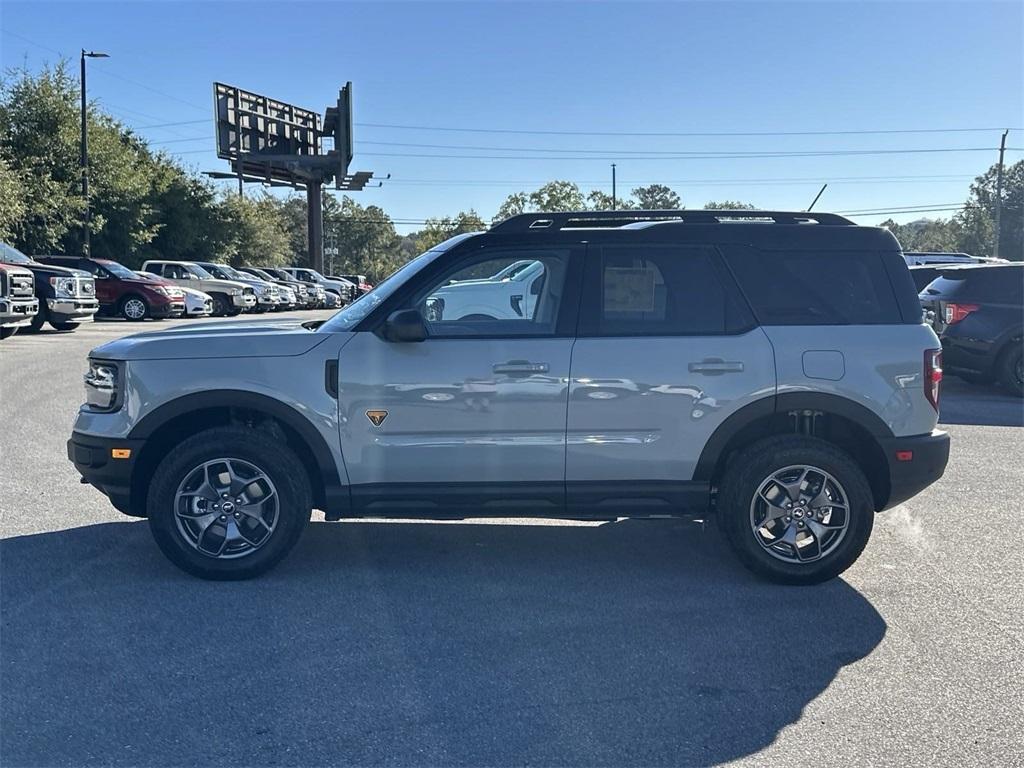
815	287
658	290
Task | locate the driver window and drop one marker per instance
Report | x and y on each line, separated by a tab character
481	297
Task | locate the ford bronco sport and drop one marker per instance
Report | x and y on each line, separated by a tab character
770	369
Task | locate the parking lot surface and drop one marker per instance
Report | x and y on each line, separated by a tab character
502	642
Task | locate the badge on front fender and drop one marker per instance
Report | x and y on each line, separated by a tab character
376	417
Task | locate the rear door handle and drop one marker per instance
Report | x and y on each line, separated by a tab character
716	367
520	366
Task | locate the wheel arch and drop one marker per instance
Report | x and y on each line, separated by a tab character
847	424
173	421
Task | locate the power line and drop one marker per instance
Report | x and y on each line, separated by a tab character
517	131
696	182
675	152
690	156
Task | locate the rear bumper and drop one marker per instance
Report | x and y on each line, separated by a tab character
93	459
909	476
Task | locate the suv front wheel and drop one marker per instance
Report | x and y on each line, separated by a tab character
796	509
228	503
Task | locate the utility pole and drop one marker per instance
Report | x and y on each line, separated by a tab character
84	151
315	223
999	193
613	186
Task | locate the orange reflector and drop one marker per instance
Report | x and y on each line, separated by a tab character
120	453
904	455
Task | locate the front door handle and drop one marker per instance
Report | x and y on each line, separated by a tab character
716	366
521	367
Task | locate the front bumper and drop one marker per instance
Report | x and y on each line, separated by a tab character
72	309
245	301
172	308
93	458
15	312
914	464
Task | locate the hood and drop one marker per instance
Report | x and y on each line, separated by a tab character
48	269
283	338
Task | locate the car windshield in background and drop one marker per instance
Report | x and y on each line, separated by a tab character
118	270
10	255
199	272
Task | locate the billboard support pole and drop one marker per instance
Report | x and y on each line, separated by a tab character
315	223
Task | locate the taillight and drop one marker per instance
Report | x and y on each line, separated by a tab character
957	312
932	376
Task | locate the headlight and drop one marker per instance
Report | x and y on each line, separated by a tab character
161	290
103	386
63	286
265	290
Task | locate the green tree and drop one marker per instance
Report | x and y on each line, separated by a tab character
257	231
514	205
12	201
729	205
39	139
553	196
925	234
366	240
657	197
976	222
437	230
601	201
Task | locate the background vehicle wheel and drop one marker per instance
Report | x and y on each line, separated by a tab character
228	503
64	325
221	306
1011	368
134	308
795	509
6	331
36	323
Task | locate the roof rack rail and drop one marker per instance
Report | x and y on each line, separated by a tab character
615	219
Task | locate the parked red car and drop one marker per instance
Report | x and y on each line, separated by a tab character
121	292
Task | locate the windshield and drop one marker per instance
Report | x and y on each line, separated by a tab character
118	270
10	255
199	272
349	317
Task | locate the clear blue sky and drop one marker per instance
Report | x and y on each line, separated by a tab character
598	67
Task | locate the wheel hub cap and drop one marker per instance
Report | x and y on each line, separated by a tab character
226	508
799	514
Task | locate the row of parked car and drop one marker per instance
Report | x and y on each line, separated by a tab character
65	291
976	306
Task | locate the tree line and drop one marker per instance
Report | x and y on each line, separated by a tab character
146	204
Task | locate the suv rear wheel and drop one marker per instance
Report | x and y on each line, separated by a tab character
228	503
796	509
1011	368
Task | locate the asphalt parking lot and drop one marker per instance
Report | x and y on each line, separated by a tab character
502	642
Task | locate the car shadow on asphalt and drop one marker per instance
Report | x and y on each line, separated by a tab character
630	643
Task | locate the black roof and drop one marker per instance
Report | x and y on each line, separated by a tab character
767	229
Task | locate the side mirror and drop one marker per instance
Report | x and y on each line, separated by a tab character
405	325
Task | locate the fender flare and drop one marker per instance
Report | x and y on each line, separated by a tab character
335	494
775	404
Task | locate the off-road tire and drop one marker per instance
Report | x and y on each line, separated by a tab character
257	447
221	305
750	467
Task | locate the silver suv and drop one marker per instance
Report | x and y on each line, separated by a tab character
770	369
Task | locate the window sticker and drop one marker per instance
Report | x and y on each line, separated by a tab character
628	290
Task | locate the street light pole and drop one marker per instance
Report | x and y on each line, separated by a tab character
613	186
84	158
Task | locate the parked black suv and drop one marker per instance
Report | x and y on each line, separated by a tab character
978	312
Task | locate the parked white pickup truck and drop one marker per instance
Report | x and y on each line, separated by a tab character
507	295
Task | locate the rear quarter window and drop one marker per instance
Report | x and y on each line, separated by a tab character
816	287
